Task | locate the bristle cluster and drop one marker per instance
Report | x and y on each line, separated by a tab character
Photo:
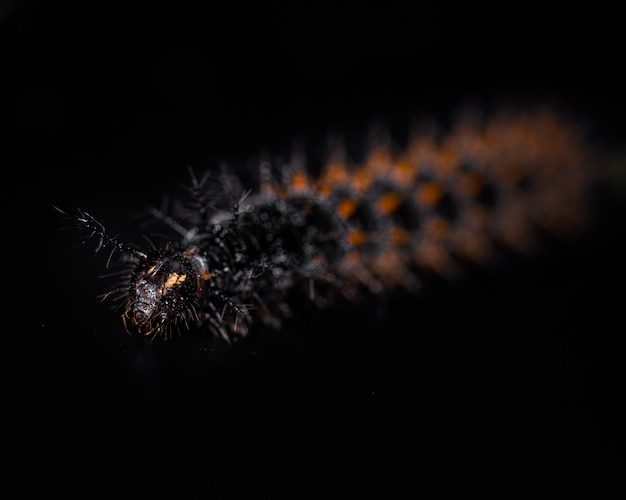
438	205
442	202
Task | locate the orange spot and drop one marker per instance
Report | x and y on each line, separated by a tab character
300	181
390	269
379	161
469	184
356	237
347	207
422	150
273	189
437	228
509	172
399	236
476	217
473	246
388	203
404	172
334	173
352	258
361	180
447	159
434	256
429	194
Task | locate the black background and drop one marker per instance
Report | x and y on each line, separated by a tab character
496	386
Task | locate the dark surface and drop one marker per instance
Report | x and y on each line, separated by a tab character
515	378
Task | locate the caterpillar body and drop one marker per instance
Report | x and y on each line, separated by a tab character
235	257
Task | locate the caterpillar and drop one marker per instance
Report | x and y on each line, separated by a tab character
231	256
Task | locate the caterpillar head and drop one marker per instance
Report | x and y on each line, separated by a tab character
163	292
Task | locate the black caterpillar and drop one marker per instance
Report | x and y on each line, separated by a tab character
238	257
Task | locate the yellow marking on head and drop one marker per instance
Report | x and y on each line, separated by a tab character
429	194
388	203
356	237
345	208
174	279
